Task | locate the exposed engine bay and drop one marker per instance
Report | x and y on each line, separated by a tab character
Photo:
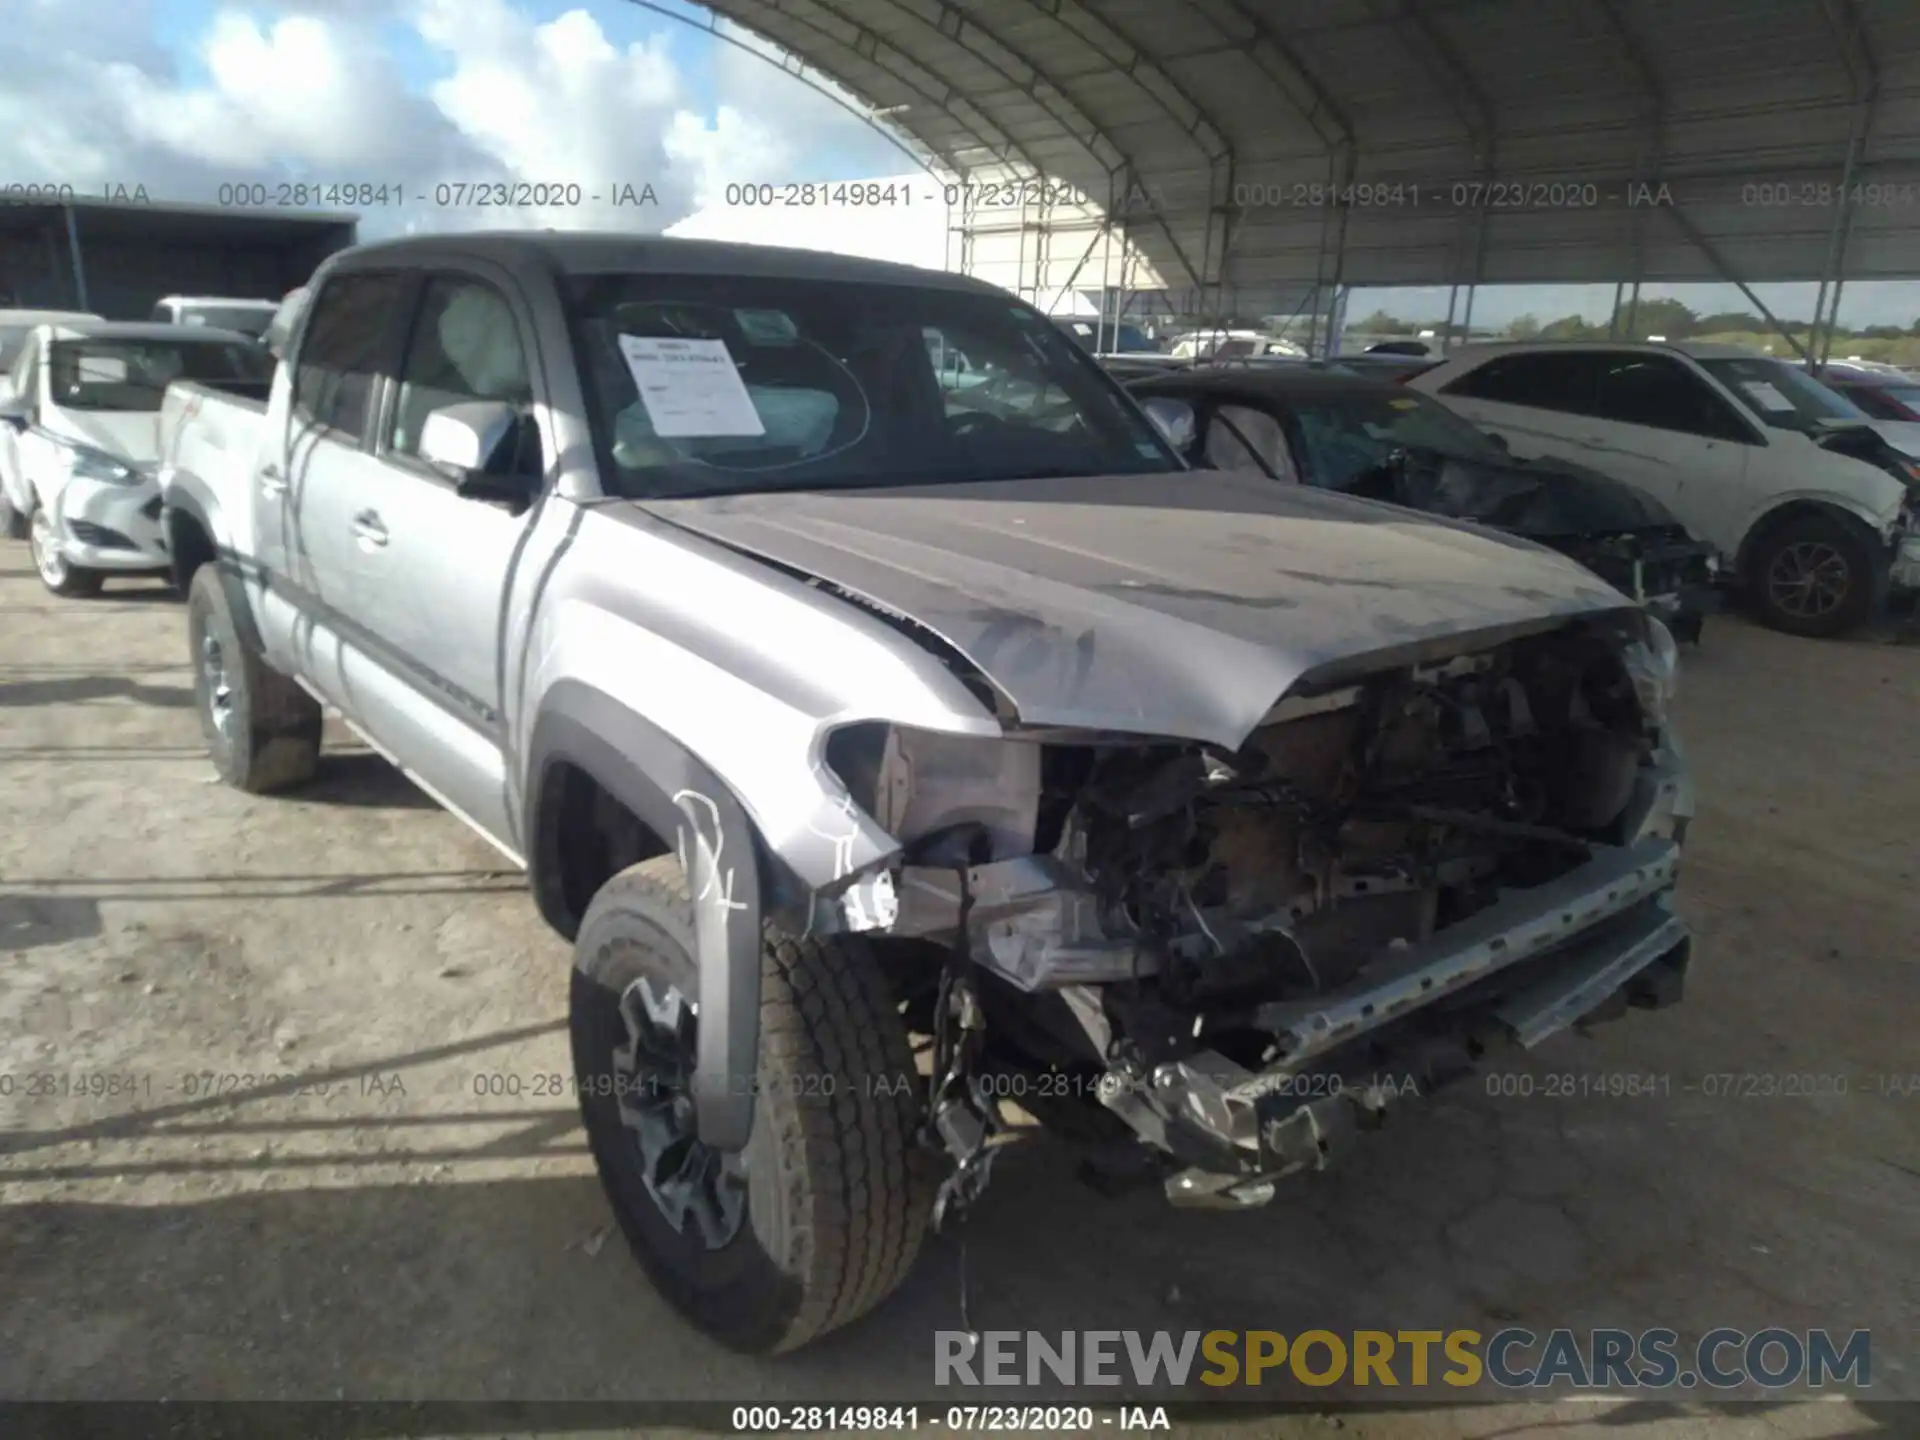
1185	937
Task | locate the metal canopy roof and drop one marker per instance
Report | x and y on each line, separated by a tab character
1503	141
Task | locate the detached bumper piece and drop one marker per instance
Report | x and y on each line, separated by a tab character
1581	948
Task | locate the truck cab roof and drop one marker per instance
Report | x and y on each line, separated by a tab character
617	253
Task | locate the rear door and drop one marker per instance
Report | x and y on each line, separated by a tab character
318	476
1540	401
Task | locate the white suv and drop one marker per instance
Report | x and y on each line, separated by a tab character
1741	447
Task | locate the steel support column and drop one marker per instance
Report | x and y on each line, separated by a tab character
79	266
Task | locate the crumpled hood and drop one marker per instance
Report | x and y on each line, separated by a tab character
1537	498
1180	605
129	435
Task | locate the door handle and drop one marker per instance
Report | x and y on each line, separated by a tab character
272	481
368	528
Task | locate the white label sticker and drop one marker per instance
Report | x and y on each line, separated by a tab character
690	388
1765	396
102	370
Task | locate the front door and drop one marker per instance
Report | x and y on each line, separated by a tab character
437	564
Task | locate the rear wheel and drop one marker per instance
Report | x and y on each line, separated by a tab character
1816	575
262	730
820	1217
55	573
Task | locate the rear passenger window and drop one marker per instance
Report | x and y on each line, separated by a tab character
1567	382
342	350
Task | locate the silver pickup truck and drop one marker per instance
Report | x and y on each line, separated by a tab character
848	660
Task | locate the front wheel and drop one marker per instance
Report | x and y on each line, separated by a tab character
55	572
1816	575
821	1216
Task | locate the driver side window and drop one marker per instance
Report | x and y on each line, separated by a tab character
465	346
1240	438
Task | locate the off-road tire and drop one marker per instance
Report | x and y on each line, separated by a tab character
1858	550
273	742
72	581
838	1192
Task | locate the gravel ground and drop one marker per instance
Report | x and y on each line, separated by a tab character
287	1114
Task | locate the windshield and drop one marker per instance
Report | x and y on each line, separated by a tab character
244	318
1347	433
1783	395
713	384
133	375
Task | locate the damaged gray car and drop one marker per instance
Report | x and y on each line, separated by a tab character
897	728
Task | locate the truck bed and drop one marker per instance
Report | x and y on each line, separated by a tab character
209	441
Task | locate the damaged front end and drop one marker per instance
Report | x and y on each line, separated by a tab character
1672	575
1240	958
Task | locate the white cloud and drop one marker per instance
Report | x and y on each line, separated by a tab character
305	90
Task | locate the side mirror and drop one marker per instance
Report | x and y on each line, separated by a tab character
1174	420
474	443
280	327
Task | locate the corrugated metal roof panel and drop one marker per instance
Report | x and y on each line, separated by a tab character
1715	95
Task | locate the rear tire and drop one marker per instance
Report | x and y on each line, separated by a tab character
262	730
829	1199
63	579
1815	575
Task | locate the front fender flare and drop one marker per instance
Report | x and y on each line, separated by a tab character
675	795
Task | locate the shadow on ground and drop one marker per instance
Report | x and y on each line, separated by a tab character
27	921
77	689
361	778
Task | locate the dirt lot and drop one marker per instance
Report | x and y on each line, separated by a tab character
400	1207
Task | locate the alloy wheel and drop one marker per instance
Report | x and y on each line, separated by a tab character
45	545
690	1181
213	671
1809	579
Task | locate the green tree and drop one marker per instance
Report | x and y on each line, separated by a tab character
1659	317
1730	322
1381	323
1572	327
1523	327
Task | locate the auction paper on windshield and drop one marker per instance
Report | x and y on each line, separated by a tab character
690	388
1767	397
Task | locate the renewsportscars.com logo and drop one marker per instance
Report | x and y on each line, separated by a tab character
1512	1359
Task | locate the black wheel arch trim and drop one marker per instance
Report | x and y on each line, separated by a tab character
190	509
677	797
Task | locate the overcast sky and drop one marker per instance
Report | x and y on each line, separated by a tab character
183	97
